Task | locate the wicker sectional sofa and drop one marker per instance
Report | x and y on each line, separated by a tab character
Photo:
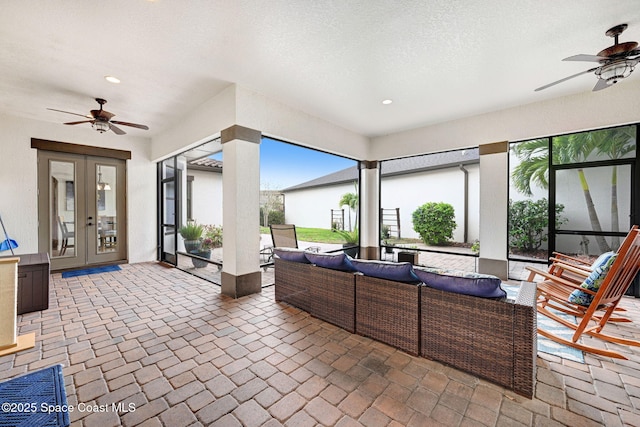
492	339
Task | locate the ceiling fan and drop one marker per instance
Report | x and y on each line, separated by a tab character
101	120
616	62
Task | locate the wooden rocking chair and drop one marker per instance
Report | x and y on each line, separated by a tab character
574	270
554	291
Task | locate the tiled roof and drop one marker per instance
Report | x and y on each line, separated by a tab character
205	163
402	166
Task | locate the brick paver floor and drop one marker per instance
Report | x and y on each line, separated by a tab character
170	346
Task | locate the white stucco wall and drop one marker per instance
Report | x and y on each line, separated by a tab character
281	121
312	207
19	173
410	191
207	197
237	105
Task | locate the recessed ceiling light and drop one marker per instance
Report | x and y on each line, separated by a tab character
387	101
112	79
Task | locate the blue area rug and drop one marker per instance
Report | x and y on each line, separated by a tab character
35	399
545	345
94	270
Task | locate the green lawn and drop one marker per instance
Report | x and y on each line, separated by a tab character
319	235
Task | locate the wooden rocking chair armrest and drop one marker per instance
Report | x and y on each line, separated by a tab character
572	268
574	259
533	272
552	278
559	261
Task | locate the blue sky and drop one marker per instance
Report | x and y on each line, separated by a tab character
283	165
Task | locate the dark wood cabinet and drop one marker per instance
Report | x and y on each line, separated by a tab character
33	282
411	257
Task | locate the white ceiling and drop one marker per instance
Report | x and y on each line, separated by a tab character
436	59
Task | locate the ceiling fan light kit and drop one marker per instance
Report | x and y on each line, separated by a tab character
101	120
100	126
617	62
615	71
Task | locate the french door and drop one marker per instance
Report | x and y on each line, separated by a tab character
81	209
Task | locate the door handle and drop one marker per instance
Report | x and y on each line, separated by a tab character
89	223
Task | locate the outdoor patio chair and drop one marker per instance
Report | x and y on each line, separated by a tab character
593	302
284	236
575	270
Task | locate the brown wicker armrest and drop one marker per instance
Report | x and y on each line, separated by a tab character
492	339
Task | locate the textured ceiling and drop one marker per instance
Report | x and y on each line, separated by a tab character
436	59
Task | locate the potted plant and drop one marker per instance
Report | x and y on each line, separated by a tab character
385	233
191	233
211	239
388	246
352	239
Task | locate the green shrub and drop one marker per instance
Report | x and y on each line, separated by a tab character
276	217
528	220
434	222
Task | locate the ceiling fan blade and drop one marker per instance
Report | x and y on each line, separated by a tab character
68	112
77	123
601	84
566	78
116	129
589	58
131	124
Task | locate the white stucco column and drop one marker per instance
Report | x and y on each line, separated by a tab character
241	211
369	202
494	183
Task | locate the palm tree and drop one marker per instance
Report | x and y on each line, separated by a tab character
615	144
534	167
351	200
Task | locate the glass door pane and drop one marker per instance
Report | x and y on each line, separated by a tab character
105	210
63	209
106	206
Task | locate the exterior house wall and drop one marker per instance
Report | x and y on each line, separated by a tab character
410	191
311	207
206	197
